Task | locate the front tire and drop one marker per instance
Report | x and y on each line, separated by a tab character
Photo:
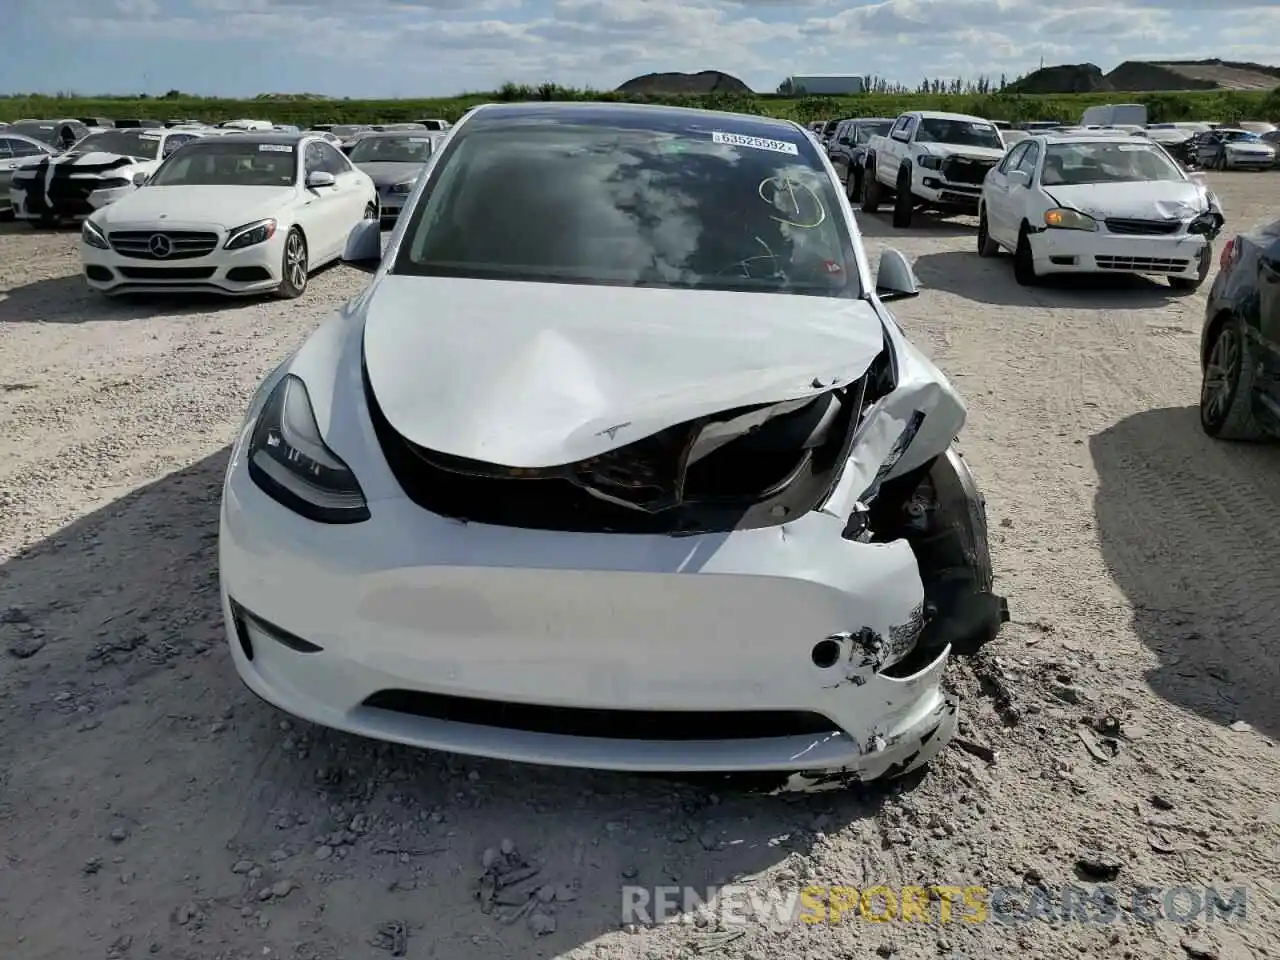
294	266
853	185
1226	389
1024	264
1191	284
986	246
872	193
903	203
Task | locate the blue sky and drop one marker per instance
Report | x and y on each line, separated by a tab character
403	48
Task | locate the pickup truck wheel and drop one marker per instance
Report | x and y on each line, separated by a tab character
986	246
1024	265
871	192
903	202
853	185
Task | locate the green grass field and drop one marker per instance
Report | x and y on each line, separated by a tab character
1226	107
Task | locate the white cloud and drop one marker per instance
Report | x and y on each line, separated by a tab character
461	44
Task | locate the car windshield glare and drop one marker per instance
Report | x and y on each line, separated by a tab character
608	203
126	143
961	133
1067	164
219	163
391	150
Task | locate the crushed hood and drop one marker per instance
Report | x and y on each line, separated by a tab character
546	374
1147	200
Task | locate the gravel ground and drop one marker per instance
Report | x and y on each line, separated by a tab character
150	806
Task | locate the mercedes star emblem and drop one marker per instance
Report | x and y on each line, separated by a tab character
160	246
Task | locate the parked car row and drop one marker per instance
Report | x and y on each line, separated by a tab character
243	208
1060	200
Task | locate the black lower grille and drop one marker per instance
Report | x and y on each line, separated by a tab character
670	725
966	169
248	274
174	274
1138	227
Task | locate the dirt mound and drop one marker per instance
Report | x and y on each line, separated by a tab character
1064	78
707	81
1194	75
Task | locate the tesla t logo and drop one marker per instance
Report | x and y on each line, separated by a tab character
160	246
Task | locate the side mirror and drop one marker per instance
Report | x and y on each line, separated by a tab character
845	141
1198	177
140	178
895	280
1019	178
320	178
364	246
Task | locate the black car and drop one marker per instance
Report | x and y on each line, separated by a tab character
848	149
1240	345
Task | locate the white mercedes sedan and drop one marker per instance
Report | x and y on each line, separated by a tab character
245	213
620	461
1098	203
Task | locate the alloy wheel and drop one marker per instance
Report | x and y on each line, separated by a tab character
295	254
1221	376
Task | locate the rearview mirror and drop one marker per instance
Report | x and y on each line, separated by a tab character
895	280
364	246
320	178
1019	178
140	178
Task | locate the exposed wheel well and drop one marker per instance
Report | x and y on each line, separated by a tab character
1211	334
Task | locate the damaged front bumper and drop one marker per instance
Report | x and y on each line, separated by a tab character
758	650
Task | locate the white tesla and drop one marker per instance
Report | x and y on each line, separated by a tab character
237	214
620	461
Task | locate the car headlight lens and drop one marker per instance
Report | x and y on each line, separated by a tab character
288	460
91	234
930	163
403	188
260	231
1062	219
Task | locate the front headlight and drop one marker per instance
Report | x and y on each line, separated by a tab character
929	163
1062	219
260	231
403	188
288	460
92	234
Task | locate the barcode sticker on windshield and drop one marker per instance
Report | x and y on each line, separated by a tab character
1130	147
755	143
275	148
148	136
419	139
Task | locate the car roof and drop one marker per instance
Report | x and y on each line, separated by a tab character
1092	136
943	115
661	116
419	133
268	136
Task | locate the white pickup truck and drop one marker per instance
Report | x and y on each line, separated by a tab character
930	159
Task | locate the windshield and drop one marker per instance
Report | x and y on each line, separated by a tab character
610	204
44	132
219	163
346	130
1076	163
963	133
1233	136
126	143
866	131
391	150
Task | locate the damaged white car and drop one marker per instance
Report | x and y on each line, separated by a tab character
619	462
1064	203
